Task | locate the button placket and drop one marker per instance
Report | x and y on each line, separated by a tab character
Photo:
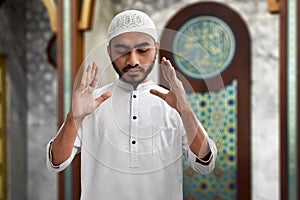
134	146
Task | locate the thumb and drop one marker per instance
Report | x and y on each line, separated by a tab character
102	98
157	93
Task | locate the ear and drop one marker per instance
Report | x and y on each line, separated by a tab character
108	49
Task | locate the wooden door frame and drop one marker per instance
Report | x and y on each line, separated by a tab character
77	54
283	102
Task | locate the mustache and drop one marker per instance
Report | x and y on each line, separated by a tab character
128	67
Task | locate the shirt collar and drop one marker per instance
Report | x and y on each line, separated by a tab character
143	86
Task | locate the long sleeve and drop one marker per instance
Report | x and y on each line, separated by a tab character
200	166
62	166
57	168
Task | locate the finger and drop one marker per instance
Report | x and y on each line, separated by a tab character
159	94
89	74
95	76
102	98
163	69
83	81
167	62
93	71
168	70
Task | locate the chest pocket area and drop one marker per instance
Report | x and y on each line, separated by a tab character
167	144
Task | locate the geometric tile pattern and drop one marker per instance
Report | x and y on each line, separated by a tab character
218	114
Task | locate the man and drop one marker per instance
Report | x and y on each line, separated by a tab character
131	133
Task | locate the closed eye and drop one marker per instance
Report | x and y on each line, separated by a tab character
122	52
143	50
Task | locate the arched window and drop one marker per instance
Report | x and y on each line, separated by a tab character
209	45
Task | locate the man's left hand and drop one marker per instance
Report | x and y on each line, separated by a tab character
176	96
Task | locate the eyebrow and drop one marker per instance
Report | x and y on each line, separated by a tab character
143	44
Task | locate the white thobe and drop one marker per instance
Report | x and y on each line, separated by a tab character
131	147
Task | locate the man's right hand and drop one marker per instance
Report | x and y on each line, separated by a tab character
83	102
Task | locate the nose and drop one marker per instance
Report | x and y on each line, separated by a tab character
133	58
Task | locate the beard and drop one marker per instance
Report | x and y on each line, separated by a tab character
134	79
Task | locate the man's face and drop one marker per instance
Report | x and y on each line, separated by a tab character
133	55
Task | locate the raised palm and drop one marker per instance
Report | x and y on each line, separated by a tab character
176	96
83	102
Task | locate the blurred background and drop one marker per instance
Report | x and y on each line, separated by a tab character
35	46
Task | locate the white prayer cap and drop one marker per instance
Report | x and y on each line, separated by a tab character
131	21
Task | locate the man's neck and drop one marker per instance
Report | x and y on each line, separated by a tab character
136	84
